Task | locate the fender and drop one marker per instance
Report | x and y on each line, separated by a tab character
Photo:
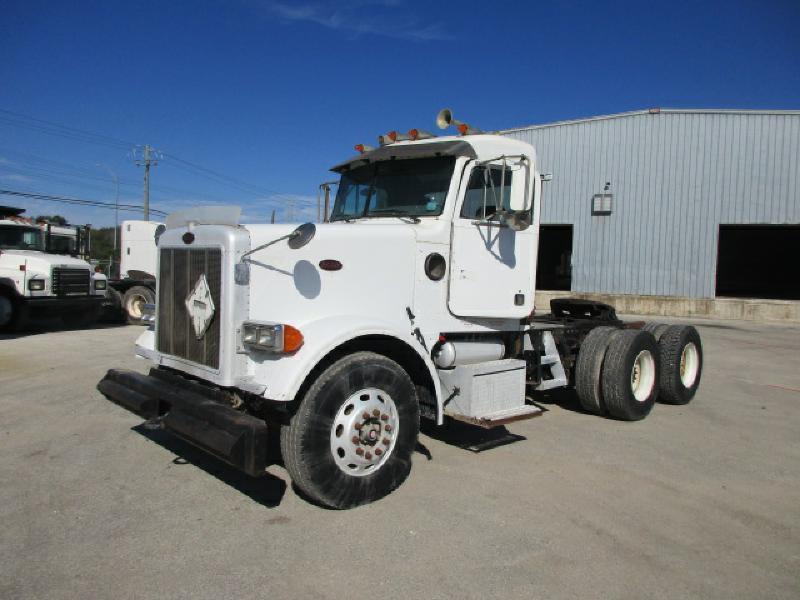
285	374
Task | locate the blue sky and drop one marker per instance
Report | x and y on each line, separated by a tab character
270	94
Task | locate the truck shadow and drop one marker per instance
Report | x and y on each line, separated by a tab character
267	490
53	326
565	398
466	436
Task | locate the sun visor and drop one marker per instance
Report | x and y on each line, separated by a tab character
205	215
405	151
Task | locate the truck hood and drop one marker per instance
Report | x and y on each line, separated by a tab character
367	271
41	263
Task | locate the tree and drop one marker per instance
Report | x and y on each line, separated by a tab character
52	219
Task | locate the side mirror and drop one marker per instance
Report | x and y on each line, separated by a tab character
520	199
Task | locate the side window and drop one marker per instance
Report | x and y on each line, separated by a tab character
487	192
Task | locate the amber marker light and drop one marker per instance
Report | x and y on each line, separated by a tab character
292	338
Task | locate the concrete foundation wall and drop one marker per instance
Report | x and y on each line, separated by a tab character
750	309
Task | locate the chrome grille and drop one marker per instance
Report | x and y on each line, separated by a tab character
71	282
179	270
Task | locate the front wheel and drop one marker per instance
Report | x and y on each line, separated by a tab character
351	439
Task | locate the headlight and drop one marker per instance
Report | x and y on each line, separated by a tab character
271	337
100	284
36	285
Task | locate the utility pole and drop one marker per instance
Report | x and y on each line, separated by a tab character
149	157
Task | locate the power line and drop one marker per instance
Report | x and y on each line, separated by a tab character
77	201
16	119
13	118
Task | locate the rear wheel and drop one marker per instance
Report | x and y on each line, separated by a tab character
630	375
134	300
588	368
351	439
657	329
681	364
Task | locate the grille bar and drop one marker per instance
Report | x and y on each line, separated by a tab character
179	271
71	282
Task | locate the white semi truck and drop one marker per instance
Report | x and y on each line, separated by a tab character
415	300
136	285
40	278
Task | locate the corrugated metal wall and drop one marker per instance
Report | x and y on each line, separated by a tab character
675	176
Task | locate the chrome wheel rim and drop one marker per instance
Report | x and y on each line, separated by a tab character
643	376
690	364
136	306
364	432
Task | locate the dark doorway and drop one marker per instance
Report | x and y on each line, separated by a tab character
554	267
759	261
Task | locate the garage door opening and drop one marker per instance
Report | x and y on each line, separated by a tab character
759	261
554	265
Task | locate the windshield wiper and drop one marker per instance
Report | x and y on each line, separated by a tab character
393	213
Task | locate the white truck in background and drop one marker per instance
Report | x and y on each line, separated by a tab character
415	300
39	278
136	285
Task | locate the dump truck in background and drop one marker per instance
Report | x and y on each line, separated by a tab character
415	300
43	275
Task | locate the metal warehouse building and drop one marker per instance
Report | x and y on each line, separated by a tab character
673	211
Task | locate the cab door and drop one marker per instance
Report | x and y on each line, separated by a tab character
492	266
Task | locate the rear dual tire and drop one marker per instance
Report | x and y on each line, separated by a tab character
617	373
681	355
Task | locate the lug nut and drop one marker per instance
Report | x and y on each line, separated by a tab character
356	439
387	427
359	451
378	451
386	441
358	425
365	415
376	413
368	456
384	417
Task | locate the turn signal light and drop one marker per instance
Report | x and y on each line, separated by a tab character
292	338
271	337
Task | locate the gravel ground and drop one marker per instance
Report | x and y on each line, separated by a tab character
695	501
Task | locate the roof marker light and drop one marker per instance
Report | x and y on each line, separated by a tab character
419	134
396	137
362	148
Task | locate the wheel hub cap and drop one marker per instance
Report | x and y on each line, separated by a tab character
690	364
364	431
643	375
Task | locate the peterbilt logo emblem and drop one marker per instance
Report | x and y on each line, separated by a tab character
200	306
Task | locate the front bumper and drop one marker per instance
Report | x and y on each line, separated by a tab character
56	304
193	412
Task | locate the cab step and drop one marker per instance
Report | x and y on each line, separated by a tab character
498	418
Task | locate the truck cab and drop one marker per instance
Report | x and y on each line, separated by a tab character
35	282
413	300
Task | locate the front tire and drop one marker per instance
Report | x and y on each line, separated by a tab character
351	439
13	314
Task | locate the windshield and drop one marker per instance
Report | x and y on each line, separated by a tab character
401	188
62	244
21	238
